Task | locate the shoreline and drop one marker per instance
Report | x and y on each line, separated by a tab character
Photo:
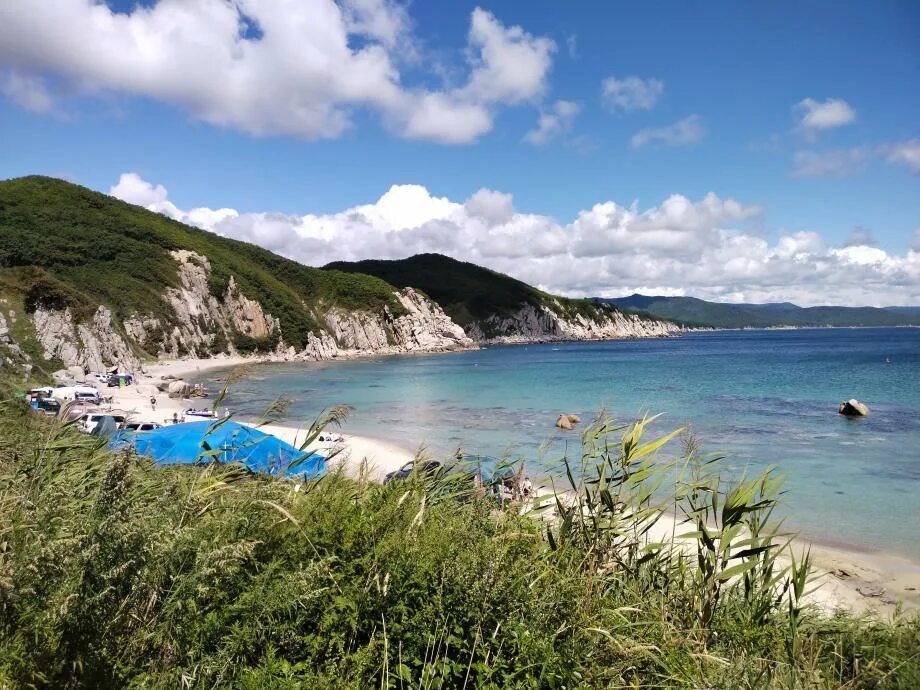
861	579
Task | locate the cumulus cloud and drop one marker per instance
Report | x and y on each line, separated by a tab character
631	93
704	247
557	120
906	153
815	116
682	133
271	67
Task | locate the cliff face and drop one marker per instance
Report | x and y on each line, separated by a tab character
195	322
531	324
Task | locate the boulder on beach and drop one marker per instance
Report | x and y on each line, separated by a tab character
567	421
177	389
853	408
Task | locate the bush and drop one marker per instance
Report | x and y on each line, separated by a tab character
116	573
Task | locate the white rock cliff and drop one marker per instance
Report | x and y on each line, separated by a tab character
532	324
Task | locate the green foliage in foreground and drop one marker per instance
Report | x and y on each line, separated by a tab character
114	573
65	245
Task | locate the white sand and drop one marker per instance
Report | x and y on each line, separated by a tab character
860	581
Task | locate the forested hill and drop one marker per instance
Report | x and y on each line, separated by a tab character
467	292
690	311
88	281
471	294
65	245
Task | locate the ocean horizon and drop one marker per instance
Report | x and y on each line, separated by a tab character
762	398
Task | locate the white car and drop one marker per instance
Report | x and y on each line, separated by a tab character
140	426
90	420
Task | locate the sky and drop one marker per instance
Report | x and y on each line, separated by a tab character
744	152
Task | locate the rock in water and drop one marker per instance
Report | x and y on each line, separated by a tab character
178	389
567	421
853	408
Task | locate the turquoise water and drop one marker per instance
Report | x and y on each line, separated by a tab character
761	397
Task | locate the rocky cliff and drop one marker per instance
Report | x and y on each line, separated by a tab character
194	322
551	323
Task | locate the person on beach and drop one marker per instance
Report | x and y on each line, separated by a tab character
153	403
175	417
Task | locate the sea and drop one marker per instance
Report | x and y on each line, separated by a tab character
761	398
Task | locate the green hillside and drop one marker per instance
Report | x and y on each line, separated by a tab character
65	245
691	311
467	292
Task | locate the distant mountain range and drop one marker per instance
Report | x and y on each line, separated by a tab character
690	311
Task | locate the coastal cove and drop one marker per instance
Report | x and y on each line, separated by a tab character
761	398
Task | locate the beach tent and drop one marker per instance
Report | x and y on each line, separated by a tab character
222	441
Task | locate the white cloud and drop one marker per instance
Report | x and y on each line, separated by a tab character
906	153
511	66
815	116
26	91
832	163
631	93
682	133
554	122
494	207
703	248
271	67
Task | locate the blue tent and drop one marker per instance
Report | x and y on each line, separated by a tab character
222	441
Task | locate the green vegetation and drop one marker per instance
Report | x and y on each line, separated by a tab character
64	245
467	292
115	573
690	311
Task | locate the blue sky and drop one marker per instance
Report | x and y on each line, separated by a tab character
736	70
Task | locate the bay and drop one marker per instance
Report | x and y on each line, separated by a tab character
762	398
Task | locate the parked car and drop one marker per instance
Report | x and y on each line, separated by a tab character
140	426
115	380
48	406
426	467
91	420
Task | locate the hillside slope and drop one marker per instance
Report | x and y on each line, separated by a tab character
88	280
691	311
494	307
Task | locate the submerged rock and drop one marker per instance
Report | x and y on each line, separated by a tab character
853	408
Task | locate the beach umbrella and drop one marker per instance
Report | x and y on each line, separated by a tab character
222	441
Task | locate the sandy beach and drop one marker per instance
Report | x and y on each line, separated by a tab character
858	580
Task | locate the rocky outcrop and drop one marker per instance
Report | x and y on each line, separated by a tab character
853	408
91	346
5	337
197	322
424	327
549	323
567	422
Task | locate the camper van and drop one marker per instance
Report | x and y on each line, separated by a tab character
67	394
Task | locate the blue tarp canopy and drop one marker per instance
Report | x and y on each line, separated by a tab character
222	441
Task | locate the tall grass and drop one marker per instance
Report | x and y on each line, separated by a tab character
116	573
